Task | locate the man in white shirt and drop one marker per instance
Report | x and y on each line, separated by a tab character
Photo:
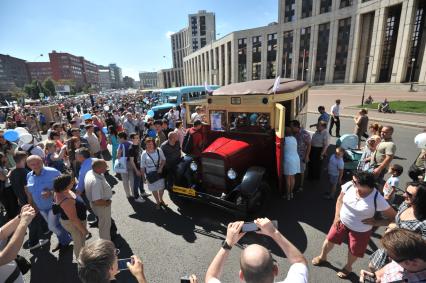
335	114
92	139
256	263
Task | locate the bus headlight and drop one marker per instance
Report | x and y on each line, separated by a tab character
232	174
193	166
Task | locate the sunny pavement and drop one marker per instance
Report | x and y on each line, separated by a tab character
352	97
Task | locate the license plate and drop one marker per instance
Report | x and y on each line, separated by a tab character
184	191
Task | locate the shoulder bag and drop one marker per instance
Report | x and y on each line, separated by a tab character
120	164
153	176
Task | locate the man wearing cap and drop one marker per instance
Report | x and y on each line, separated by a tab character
92	139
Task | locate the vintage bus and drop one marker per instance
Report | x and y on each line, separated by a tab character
243	138
170	97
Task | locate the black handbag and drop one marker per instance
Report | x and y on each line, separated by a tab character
56	207
23	264
153	176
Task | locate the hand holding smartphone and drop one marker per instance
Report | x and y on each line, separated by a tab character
252	227
122	263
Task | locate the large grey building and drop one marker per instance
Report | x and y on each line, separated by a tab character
148	80
105	77
322	41
201	30
117	77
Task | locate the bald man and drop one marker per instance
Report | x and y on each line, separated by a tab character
256	263
39	192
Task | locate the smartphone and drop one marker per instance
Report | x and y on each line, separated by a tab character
185	279
251	226
122	263
369	279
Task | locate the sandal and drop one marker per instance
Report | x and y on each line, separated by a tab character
164	204
318	261
343	273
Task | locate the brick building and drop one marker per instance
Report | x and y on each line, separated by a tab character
39	70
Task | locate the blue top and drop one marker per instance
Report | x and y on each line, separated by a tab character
324	117
38	184
335	164
85	167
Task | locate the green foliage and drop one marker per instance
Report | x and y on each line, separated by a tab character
404	106
49	86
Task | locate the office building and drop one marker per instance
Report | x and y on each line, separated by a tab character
39	71
327	41
128	82
13	73
117	81
104	78
201	30
148	80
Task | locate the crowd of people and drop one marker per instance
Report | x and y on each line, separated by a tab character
63	184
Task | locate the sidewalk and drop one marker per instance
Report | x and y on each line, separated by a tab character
352	97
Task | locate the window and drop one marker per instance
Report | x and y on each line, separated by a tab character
242	59
256	57
253	122
322	52
345	3
342	50
228	47
306	8
289	11
305	37
218	120
203	42
202	25
389	42
325	6
287	54
416	51
271	60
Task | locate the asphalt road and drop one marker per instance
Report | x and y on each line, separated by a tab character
183	240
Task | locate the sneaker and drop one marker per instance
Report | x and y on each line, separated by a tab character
140	199
40	243
145	195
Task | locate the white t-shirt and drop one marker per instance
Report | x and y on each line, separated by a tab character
335	110
355	209
298	273
391	182
7	269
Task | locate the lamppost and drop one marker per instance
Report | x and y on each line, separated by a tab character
320	69
365	79
306	76
413	60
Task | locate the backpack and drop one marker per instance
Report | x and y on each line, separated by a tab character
187	143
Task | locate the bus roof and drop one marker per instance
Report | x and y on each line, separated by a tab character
260	87
187	89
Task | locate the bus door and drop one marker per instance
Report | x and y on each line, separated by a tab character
279	140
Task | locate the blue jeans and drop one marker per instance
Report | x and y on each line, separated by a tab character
137	184
53	223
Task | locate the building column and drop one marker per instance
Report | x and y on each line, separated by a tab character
200	70
354	46
234	60
313	44
403	42
376	46
422	74
352	39
264	56
280	43
226	64
331	57
219	73
206	69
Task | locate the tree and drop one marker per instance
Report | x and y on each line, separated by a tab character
49	85
19	94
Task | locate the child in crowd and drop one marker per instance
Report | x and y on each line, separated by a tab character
392	183
335	172
54	159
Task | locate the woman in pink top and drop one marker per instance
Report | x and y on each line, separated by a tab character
181	132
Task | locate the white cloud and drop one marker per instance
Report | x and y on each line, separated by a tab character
169	34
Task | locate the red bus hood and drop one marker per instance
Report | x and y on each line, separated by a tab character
226	147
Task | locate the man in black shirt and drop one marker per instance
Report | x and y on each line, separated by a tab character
172	152
135	164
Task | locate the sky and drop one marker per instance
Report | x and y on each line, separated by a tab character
134	34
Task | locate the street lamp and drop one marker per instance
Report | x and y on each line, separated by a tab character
306	76
320	69
365	79
413	60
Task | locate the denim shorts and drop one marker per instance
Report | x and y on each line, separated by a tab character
333	179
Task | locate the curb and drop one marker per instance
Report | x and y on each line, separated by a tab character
389	121
398	112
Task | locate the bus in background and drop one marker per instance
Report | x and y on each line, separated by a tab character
151	97
175	96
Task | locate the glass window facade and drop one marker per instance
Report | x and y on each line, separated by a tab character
242	59
287	54
305	38
389	42
202	25
194	26
342	50
202	42
345	3
289	11
256	57
325	6
417	44
306	8
271	56
322	52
